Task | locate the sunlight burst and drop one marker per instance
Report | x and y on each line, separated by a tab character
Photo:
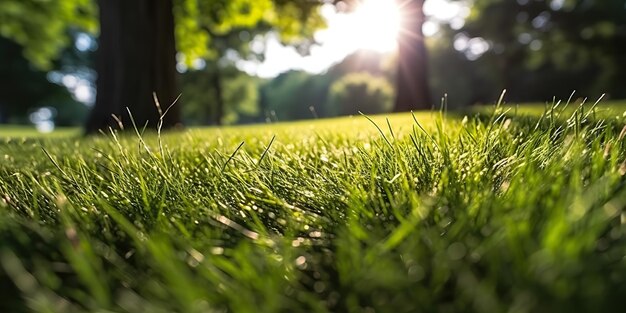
379	22
373	25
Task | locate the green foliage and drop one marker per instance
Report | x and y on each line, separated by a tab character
69	113
200	23
566	44
291	95
493	213
451	73
240	93
241	97
41	26
360	92
24	89
299	95
296	20
191	39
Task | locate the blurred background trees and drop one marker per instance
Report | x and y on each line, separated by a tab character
141	40
360	92
234	100
24	90
36	50
536	49
541	49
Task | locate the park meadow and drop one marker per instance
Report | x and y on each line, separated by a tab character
296	156
428	211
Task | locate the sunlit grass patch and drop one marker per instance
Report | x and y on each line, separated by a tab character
406	214
14	131
604	109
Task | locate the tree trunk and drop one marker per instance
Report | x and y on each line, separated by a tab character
263	105
4	116
136	57
412	91
218	112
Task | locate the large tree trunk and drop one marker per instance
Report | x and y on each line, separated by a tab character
136	57
412	91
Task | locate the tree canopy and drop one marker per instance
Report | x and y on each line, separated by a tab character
141	42
574	44
41	26
23	89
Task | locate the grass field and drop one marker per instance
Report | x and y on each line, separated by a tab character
602	109
489	213
14	131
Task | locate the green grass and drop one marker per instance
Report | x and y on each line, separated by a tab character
485	214
605	109
14	131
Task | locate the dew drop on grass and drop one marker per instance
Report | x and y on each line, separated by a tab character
315	234
456	251
196	255
297	242
416	273
507	123
319	287
301	262
475	257
129	254
445	222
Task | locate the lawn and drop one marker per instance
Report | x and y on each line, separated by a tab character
424	213
603	109
14	131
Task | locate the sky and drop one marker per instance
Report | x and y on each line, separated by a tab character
374	25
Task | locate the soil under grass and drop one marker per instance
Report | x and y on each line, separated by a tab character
422	213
